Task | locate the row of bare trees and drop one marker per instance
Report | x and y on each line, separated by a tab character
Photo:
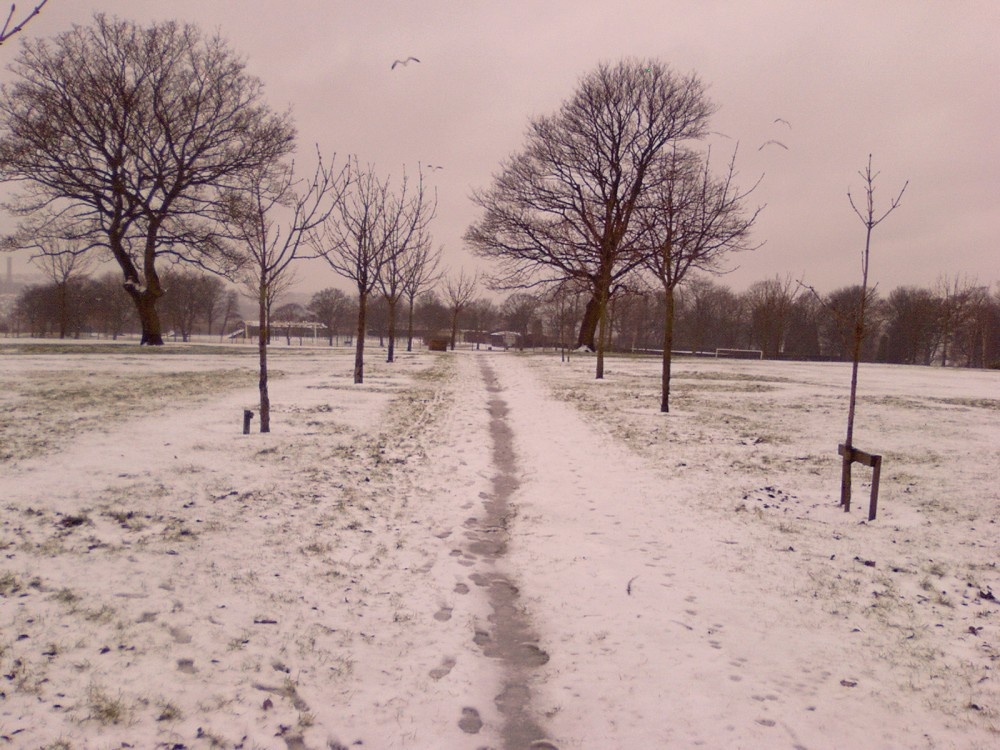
607	195
153	146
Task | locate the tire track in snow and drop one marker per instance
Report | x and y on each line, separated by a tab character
512	640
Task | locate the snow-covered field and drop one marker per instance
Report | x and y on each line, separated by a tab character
168	582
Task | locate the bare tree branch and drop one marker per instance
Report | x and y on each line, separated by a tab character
8	31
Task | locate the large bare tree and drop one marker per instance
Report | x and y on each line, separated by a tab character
269	216
123	136
691	221
563	207
366	231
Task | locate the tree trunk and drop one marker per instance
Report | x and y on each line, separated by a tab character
859	334
602	331
63	310
454	328
409	327
359	348
390	356
845	471
588	326
265	400
668	345
145	306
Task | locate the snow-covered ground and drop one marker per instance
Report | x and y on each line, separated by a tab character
168	582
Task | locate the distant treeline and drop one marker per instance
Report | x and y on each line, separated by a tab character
956	322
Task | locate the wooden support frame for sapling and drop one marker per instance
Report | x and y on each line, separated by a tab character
855	456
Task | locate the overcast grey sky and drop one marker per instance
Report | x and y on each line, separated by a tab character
914	82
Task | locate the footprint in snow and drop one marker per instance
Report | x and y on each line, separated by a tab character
470	723
447	664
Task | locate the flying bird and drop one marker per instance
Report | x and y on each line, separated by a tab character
776	143
782	120
403	62
434	167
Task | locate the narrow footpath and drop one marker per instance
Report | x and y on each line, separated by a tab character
511	639
620	617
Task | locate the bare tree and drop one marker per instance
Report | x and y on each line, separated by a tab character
913	317
563	207
871	219
182	301
330	307
363	235
482	317
189	296
123	136
520	313
213	298
971	324
408	248
564	310
113	311
34	307
770	303
839	323
8	31
269	215
459	291
230	311
62	262
422	273
704	319
691	221
956	295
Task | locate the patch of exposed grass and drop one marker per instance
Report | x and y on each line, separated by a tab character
66	596
9	584
106	709
127	519
975	403
104	614
169	712
52	407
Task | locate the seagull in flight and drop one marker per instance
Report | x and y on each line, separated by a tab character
403	62
783	120
776	143
434	167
